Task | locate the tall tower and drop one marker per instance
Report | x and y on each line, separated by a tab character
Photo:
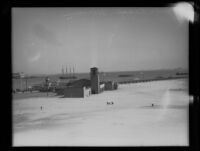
94	77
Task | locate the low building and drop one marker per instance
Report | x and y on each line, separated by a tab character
101	87
60	90
110	85
77	88
76	92
18	75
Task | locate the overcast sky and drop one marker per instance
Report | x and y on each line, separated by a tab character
112	39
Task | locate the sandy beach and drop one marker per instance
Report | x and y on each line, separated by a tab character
131	121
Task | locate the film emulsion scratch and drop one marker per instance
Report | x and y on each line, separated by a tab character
100	77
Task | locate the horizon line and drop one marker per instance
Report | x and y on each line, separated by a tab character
30	74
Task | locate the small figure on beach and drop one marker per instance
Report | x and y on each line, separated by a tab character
40	107
152	105
110	103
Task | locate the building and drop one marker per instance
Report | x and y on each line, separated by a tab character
102	87
110	85
76	92
95	82
77	88
18	75
85	87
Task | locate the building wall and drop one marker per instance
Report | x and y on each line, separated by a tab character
73	92
59	91
94	76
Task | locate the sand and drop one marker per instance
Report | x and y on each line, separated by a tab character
131	121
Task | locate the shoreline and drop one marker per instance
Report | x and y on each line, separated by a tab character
130	121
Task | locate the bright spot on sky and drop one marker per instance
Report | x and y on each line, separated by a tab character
184	11
36	57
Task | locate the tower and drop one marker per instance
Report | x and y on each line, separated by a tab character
94	77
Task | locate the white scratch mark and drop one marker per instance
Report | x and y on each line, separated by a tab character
36	57
184	11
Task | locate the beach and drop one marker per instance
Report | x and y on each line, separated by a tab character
143	114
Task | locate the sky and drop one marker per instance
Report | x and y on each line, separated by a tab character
112	39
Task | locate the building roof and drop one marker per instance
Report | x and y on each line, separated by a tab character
80	83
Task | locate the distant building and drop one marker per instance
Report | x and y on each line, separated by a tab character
110	85
18	75
85	87
76	92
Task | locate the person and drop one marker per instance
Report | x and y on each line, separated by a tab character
152	105
41	107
